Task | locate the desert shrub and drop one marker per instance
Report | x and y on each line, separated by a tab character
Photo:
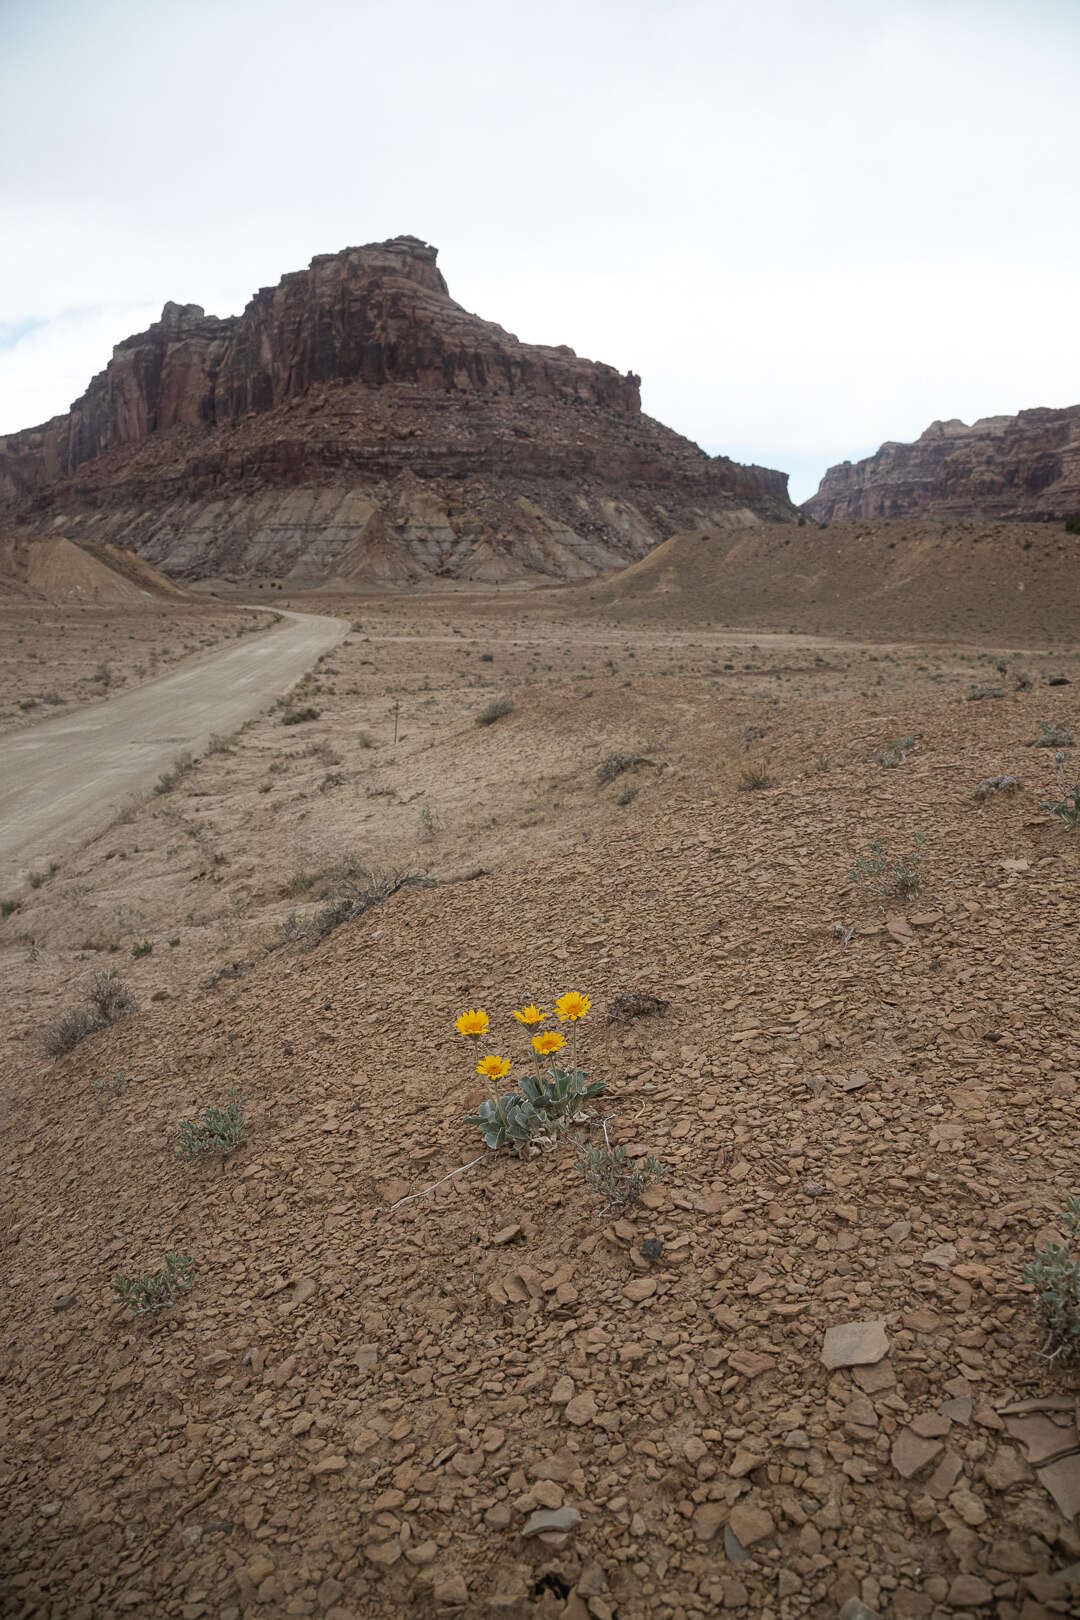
633	1004
1055	1275
754	778
1022	681
1072	523
144	949
36	879
996	784
168	779
9	907
69	1029
104	1089
618	1179
354	891
547	1100
219	744
107	999
1067	808
627	796
979	693
110	998
496	709
615	764
151	1293
298	717
1053	735
893	754
879	874
300	883
222	1131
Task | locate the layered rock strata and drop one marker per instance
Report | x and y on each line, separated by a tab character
1023	467
356	423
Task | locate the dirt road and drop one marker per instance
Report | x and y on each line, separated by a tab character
60	781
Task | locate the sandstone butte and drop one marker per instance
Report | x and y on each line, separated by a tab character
1025	466
355	424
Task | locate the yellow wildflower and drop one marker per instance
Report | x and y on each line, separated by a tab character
473	1022
572	1006
493	1068
550	1041
530	1015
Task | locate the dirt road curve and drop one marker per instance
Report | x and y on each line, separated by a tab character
61	781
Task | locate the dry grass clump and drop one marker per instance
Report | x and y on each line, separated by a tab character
633	1004
615	764
754	778
168	779
496	709
107	1000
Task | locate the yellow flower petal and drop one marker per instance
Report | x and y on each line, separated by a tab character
493	1067
550	1041
530	1015
572	1006
473	1022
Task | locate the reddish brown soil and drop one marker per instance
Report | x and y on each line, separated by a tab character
356	1409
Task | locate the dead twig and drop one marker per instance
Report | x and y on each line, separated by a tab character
461	1167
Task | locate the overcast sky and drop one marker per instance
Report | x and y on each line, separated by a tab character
811	225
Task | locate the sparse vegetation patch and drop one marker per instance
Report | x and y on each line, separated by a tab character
222	1131
547	1100
496	710
1054	735
155	1290
885	876
618	1179
107	1000
1055	1275
1067	808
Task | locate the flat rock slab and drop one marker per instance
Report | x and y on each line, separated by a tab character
565	1518
911	1453
855	1344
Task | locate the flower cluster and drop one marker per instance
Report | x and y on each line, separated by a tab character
544	1101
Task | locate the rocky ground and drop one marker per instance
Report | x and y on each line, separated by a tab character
501	1397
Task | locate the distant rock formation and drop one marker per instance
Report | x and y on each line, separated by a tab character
1024	467
355	423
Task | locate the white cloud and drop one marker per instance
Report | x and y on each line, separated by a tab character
809	227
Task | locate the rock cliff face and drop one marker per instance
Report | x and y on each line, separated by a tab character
1025	466
354	422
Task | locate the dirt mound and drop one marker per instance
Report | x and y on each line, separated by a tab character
901	578
55	570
